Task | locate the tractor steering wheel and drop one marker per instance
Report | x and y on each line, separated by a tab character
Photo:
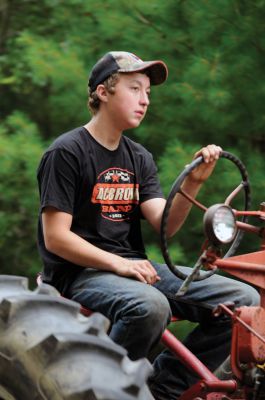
176	188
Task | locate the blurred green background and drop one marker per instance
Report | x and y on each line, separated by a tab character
215	93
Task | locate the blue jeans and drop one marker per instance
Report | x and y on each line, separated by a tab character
139	313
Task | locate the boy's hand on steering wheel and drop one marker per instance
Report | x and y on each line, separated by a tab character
210	155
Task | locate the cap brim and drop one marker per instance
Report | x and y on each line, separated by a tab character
157	70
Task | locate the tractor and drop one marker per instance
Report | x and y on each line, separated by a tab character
53	348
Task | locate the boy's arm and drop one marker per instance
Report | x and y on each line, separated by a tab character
153	209
60	240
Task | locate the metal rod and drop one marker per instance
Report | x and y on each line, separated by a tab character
187	357
234	193
247	227
234	316
192	200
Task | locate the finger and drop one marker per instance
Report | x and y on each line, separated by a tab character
139	277
157	279
145	268
205	152
150	267
149	277
219	149
211	153
214	152
153	273
140	271
146	275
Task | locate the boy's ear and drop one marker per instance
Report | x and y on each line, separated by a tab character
102	93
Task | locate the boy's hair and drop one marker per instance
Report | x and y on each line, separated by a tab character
93	100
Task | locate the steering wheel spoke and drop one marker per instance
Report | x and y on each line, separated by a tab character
192	200
193	275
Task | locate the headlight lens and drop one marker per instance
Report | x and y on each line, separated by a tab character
220	224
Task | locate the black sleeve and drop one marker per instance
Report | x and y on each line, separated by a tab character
58	176
150	186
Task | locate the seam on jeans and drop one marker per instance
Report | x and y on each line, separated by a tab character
224	319
190	302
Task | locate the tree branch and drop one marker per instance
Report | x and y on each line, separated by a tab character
5	14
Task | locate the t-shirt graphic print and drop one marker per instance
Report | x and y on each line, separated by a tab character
117	193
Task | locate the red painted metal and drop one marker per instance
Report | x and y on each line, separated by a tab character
248	337
252	346
85	311
250	267
213	390
187	357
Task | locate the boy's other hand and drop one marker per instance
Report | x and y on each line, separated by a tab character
142	270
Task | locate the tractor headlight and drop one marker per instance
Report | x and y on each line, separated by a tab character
220	224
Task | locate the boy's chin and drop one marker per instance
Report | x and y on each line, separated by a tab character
134	124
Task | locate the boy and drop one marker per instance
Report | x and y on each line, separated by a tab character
95	185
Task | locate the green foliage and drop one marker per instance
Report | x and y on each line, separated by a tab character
40	76
20	151
154	253
215	93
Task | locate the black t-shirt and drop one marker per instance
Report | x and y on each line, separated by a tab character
102	190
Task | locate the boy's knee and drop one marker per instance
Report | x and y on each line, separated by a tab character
252	297
247	295
155	309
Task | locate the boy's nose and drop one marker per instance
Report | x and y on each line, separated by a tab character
144	99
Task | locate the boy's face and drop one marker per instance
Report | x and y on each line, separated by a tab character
128	105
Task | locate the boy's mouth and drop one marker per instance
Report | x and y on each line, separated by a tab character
139	112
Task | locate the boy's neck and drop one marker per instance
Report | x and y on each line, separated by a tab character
104	133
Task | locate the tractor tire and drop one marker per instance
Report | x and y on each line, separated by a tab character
48	350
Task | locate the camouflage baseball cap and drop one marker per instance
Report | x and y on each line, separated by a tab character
122	61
